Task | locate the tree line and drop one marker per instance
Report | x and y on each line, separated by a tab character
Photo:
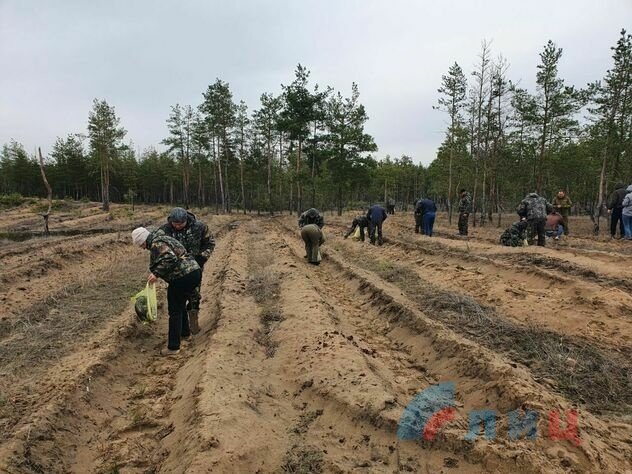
306	146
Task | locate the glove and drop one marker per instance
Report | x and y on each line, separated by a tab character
201	260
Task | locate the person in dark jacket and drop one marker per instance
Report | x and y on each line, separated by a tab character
534	209
615	207
426	210
170	261
311	216
196	237
311	224
376	216
465	208
390	206
359	221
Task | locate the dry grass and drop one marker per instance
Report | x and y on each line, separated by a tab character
305	421
600	379
52	329
265	286
302	460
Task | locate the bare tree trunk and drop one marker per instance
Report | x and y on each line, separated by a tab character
226	180
219	171
46	215
269	181
450	174
299	204
241	172
600	196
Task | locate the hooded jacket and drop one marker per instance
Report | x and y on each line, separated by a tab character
615	200
311	216
627	202
534	207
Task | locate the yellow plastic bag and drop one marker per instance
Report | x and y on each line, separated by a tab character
356	234
146	304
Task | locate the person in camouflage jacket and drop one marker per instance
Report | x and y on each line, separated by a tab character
465	209
534	209
196	237
515	235
170	261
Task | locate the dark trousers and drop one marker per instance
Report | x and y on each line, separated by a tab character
390	209
537	228
419	225
376	228
428	223
463	222
616	217
178	292
196	296
363	229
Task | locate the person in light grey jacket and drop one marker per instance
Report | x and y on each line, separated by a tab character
626	211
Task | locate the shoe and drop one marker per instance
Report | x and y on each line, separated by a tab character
557	237
169	352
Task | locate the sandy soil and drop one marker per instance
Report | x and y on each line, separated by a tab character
309	369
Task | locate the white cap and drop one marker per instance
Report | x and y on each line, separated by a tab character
139	236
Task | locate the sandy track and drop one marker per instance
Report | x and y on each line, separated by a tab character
298	369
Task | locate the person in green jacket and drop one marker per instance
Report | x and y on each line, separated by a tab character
562	204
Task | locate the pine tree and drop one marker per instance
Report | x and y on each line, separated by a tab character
105	135
453	89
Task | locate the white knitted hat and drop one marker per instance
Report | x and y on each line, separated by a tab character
139	236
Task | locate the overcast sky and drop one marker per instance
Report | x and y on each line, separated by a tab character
143	56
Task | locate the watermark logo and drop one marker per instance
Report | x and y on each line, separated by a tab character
434	407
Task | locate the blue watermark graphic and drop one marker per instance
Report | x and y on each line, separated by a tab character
434	407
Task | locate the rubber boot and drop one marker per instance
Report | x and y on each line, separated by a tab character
193	321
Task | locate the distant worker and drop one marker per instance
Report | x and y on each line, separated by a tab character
196	237
170	261
425	212
554	226
376	216
361	222
311	224
562	204
534	209
465	209
390	206
626	211
615	207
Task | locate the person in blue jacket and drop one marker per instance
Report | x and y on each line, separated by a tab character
425	212
376	216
